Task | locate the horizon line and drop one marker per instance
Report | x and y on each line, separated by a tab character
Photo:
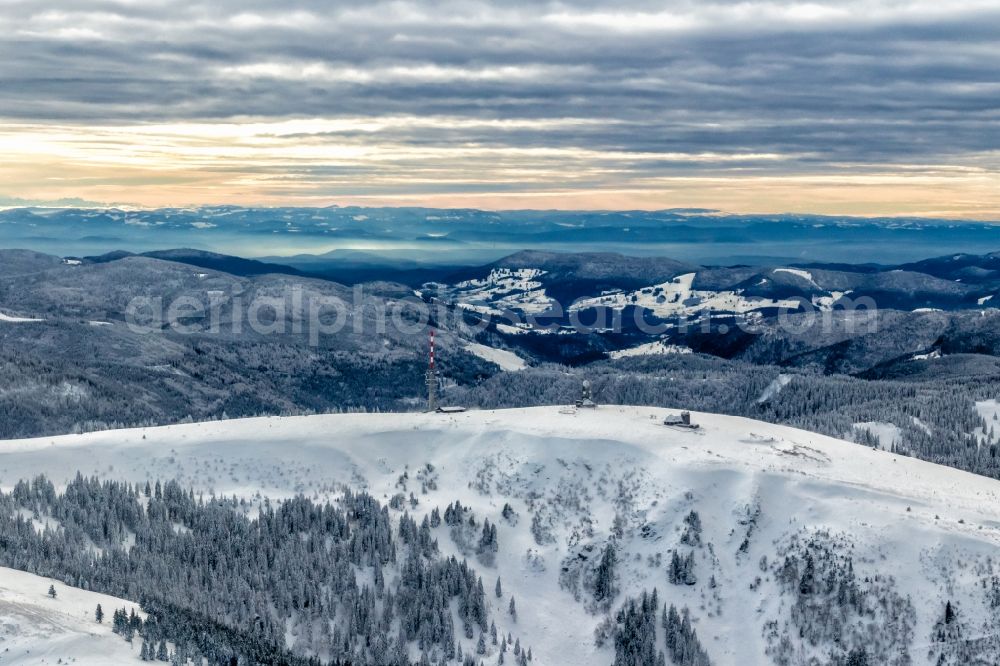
694	211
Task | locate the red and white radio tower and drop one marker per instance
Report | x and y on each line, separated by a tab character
432	380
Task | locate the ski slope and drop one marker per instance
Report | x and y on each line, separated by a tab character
570	476
37	629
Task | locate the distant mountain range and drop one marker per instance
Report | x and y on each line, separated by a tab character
954	282
838	319
203	259
417	238
577	308
667	288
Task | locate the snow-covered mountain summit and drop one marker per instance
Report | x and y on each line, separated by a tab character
784	546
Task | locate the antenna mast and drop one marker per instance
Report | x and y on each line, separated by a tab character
432	381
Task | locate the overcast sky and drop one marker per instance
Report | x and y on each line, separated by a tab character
857	107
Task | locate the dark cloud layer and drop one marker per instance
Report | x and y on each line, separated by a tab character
823	86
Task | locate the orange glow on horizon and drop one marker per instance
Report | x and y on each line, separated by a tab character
348	162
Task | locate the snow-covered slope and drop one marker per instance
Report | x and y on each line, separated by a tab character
9	319
37	629
655	348
911	529
504	289
678	297
507	360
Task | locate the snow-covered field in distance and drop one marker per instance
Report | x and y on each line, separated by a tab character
567	475
507	360
10	319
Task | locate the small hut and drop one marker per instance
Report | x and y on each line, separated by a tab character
682	420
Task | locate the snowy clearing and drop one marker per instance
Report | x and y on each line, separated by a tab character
805	275
507	360
888	434
826	303
990	411
775	387
37	629
655	348
18	320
